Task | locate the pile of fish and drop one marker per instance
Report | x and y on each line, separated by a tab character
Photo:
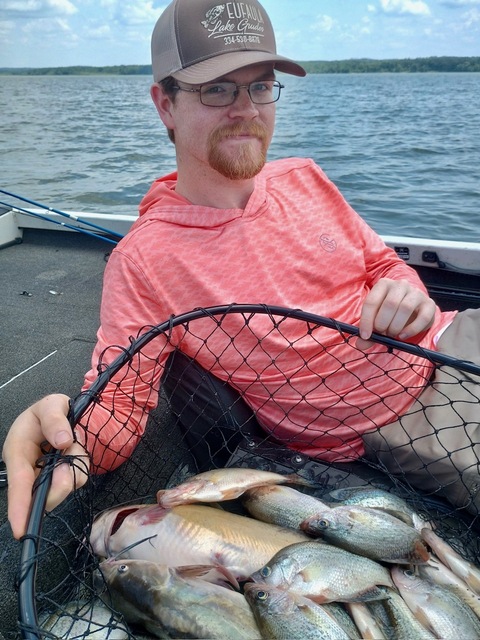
363	565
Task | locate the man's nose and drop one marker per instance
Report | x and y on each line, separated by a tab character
243	101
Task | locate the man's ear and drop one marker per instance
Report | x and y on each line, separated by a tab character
163	104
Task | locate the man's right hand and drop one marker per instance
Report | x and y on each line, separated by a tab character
45	421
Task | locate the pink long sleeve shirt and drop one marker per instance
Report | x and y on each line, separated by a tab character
297	244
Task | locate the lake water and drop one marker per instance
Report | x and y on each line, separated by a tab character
403	148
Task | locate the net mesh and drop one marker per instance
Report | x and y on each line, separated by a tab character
260	387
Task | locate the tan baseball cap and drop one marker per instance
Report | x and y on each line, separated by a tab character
197	41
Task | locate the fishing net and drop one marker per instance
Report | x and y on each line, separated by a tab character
258	366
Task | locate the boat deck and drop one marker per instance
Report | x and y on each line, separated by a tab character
51	287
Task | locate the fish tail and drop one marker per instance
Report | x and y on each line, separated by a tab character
295	478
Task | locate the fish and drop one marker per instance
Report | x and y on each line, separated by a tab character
218	485
176	602
284	506
324	573
437	572
281	614
375	498
189	535
83	619
374	534
437	608
400	619
338	611
365	621
464	569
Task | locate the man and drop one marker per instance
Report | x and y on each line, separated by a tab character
227	226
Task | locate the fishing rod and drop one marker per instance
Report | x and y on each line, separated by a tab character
62	213
59	222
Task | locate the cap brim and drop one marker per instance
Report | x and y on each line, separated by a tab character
219	66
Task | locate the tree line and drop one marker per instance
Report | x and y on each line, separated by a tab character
361	65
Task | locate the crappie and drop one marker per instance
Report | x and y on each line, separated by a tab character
436	607
439	573
401	619
177	603
280	505
375	498
221	484
324	573
369	532
189	535
283	615
339	613
464	569
84	619
365	621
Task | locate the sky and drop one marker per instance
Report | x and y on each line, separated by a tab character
53	33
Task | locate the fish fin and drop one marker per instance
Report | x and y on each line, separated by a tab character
400	515
374	593
231	579
319	598
160	494
194	570
211	572
420	553
184	493
152	514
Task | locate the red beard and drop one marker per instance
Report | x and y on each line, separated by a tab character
248	161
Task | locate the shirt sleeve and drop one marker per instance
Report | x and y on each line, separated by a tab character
113	425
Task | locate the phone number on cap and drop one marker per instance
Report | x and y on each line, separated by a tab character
236	39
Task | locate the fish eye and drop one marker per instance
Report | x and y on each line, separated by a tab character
123	568
323	524
262	595
265	571
409	573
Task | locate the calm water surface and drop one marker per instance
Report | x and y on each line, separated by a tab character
403	148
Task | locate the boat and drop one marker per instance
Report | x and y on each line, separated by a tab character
52	264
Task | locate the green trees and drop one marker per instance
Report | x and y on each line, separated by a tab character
361	65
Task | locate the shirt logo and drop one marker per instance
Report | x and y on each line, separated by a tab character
328	244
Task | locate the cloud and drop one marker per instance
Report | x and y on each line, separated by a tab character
460	3
135	13
33	9
413	7
472	18
103	32
324	23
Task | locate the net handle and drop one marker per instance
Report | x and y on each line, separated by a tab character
28	617
30	542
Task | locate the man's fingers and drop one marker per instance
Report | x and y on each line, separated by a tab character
363	345
395	309
20	482
51	412
68	476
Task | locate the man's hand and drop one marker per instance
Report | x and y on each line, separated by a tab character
395	308
45	421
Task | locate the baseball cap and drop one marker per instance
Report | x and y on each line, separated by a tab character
197	41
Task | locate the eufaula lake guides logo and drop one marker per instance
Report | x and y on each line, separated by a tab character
236	22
